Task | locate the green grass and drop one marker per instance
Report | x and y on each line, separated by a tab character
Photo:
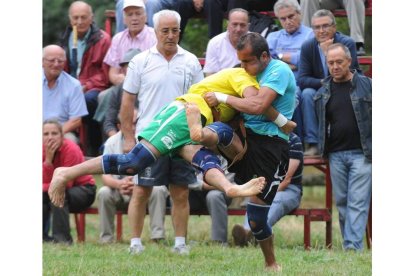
91	258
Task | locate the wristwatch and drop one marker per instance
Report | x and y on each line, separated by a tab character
280	56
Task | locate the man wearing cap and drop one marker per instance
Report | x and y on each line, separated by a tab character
85	46
137	35
155	78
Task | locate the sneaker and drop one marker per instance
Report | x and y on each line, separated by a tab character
136	249
250	239
181	249
361	51
239	235
311	150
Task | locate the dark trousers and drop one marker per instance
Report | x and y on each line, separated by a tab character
77	198
93	128
214	11
257	5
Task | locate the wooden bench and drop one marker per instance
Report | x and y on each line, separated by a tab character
323	214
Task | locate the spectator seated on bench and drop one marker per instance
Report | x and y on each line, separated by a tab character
355	11
62	94
80	193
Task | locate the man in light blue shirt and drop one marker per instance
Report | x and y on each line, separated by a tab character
62	94
286	45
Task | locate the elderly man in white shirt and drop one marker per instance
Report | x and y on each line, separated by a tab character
221	49
156	77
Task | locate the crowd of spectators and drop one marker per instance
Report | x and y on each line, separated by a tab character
85	79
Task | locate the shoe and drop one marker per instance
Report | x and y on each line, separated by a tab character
181	249
311	150
239	235
136	249
47	238
250	239
361	51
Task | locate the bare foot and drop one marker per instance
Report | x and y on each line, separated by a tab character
288	127
57	187
253	187
274	268
194	121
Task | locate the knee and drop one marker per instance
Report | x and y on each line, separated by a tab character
128	164
307	94
179	195
215	197
159	193
257	218
104	194
205	159
224	132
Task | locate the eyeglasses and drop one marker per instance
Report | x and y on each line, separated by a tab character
290	17
323	27
166	31
54	60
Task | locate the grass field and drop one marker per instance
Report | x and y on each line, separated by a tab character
92	258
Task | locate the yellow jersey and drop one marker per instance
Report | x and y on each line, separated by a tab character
231	81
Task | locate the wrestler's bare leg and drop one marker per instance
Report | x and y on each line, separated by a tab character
62	175
217	179
194	122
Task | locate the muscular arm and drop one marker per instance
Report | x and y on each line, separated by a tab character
253	104
126	115
271	113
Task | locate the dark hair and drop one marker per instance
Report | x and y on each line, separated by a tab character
257	42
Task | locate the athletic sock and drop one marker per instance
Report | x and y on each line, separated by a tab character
136	241
179	241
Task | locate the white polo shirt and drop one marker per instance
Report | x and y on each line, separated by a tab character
220	54
157	82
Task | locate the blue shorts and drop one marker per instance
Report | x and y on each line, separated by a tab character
167	170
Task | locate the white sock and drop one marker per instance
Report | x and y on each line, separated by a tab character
179	241
136	241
